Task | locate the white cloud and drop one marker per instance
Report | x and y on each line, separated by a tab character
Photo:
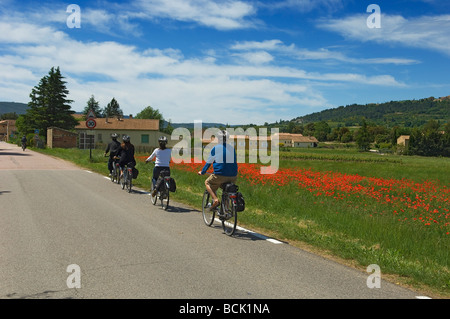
221	15
305	5
184	89
426	32
322	54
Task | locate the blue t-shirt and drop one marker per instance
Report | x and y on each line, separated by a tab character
223	158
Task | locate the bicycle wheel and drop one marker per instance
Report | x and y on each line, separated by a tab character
229	220
164	196
113	175
117	175
130	182
208	215
154	198
123	179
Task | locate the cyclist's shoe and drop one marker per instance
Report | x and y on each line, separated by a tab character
154	192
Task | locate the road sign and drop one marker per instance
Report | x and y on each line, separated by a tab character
91	114
90	123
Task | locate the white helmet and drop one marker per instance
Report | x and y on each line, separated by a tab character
223	135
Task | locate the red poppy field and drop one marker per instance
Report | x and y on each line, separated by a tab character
401	224
425	203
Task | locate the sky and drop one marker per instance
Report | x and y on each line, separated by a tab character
235	62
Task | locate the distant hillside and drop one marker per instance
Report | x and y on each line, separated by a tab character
408	113
11	107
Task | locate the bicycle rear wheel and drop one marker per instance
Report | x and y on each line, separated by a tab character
208	215
164	196
129	183
123	179
229	220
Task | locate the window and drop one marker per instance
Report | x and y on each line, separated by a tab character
144	139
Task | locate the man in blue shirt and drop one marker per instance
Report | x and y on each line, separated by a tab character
224	161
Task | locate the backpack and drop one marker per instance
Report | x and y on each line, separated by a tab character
240	202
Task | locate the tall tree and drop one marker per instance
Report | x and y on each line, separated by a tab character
151	113
363	138
112	109
49	105
93	105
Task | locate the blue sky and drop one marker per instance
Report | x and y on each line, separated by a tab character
231	61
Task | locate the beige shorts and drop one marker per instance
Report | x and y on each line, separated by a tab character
214	181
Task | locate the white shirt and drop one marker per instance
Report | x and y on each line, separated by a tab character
162	157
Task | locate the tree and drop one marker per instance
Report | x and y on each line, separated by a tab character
49	106
363	139
321	130
93	105
151	113
112	109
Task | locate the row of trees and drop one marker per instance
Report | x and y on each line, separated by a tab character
431	139
49	106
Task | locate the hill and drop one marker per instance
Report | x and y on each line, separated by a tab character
408	113
11	107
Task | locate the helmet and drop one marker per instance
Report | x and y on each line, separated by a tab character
114	135
222	135
126	138
162	139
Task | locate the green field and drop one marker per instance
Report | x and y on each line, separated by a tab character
362	208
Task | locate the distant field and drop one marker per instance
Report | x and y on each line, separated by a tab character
361	207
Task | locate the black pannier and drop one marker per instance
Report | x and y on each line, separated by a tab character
172	185
240	202
135	173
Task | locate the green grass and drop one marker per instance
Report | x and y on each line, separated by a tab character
362	231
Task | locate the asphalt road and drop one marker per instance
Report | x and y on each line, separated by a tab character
53	215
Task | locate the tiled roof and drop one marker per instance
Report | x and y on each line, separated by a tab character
122	124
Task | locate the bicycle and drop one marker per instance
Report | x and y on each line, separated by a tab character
127	178
163	193
226	210
115	174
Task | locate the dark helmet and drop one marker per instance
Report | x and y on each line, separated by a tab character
162	140
114	136
126	138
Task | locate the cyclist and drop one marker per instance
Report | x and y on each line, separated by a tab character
162	155
113	149
126	154
24	142
223	159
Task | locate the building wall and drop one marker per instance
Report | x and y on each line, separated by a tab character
61	138
137	138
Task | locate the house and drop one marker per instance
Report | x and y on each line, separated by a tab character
403	140
245	142
7	129
304	141
296	140
144	133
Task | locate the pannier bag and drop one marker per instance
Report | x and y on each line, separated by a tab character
240	202
135	173
172	185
